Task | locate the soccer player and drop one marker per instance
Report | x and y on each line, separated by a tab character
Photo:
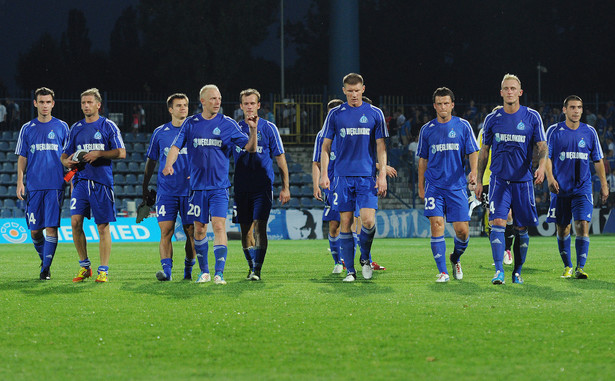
360	131
173	191
511	133
254	182
210	137
443	145
93	185
39	147
572	145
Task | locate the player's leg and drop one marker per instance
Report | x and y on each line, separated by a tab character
167	228
247	244
199	211
49	251
104	247
333	218
263	201
457	211
242	208
510	235
563	244
434	211
558	214
344	201
190	259
499	205
367	203
582	210
218	205
524	211
102	204
79	209
52	209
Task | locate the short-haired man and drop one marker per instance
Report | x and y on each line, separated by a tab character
173	191
93	185
511	133
443	145
254	182
210	137
39	147
360	131
572	145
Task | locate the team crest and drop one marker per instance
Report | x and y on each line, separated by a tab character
97	135
497	137
521	126
582	143
562	156
452	134
259	136
433	149
195	143
51	135
216	131
342	132
237	149
363	119
332	157
32	148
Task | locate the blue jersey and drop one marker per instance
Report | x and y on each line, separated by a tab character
318	151
355	130
209	144
101	135
254	171
444	146
570	152
177	184
41	144
512	138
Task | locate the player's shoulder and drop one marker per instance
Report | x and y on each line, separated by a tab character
108	123
463	122
78	124
532	112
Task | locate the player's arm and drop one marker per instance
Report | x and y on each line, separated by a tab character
324	163
543	151
171	159
116	153
315	178
22	163
604	186
381	182
285	191
553	184
390	171
421	184
68	161
150	166
473	159
483	158
252	142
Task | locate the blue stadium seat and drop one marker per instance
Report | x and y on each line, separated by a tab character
129	137
119	178
4	145
2	156
6	213
7	135
5	178
118	190
294	203
133	167
306	191
295	191
307	202
120	167
12	190
7	167
139	147
9	203
3	190
129	190
136	157
18	213
131	179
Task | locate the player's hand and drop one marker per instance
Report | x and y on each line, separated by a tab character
145	193
91	156
381	185
472	181
554	187
168	171
21	191
317	193
69	163
252	121
604	193
391	172
324	182
478	191
539	176
284	196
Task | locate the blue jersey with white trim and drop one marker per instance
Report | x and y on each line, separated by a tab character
444	146
177	184
209	143
254	171
101	135
570	152
512	138
318	151
41	144
355	130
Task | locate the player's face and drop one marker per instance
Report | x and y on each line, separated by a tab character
444	107
354	93
250	105
44	104
211	101
179	110
89	105
573	111
511	91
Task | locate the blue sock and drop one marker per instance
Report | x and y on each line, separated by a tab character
334	245
247	252
438	249
167	265
347	248
524	244
355	236
365	242
259	258
39	246
497	246
51	243
86	263
220	252
188	263
563	244
582	246
103	268
201	247
460	248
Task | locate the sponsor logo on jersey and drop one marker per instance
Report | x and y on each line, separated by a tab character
573	155
91	147
509	138
354	131
521	126
452	134
51	135
206	142
217	131
363	119
44	147
444	147
582	143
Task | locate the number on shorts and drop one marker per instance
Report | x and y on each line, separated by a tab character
194	210
430	203
552	213
491	207
334	198
161	211
327	210
73	203
31	219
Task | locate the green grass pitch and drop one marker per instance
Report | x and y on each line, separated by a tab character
302	323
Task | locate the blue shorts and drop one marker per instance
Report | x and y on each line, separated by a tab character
518	196
563	208
251	206
450	203
168	207
329	214
204	204
95	198
43	208
352	192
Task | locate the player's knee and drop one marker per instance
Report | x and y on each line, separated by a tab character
36	234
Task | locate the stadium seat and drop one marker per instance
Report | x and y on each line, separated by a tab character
5	178
6	213
18	213
4	145
129	190
133	167
306	191
129	137
2	156
131	179
12	190
295	191
9	203
139	147
7	135
3	190
294	203
7	167
136	157
119	178
307	202
120	167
